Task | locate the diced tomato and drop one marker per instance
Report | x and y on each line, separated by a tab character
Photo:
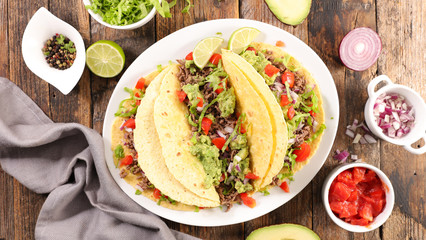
353	197
219	142
206	124
336	206
222	86
349	210
181	95
271	70
378	207
243	129
369	176
360	222
366	211
358	174
215	58
341	192
290	113
138	102
303	152
200	103
248	201
251	175
346	177
376	192
130	123
127	160
140	84
201	208
157	194
284	100
313	114
279	43
288	77
284	186
137	94
189	56
222	177
252	49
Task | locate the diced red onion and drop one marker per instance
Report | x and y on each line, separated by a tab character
122	125
342	156
291	140
237	167
362	140
238	158
231	165
350	133
360	49
315	126
300	126
129	130
220	134
200	109
398	116
229	129
354	157
369	138
246	180
230	179
357	138
294	96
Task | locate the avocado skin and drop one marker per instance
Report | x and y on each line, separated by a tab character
290	11
283	231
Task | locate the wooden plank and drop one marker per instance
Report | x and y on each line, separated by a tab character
299	209
329	21
403	60
133	42
25	211
76	106
4	40
203	10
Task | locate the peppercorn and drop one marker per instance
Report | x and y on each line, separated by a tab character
59	52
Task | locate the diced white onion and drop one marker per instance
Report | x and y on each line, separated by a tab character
229	129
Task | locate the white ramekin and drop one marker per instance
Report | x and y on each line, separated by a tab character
412	98
132	26
380	219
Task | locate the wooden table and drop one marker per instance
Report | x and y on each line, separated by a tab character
401	25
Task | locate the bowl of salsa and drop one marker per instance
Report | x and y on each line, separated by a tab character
358	197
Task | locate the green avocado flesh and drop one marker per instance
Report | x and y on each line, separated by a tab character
283	232
291	12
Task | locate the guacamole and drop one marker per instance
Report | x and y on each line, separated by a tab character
209	157
193	93
226	101
259	63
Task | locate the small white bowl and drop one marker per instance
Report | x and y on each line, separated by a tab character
42	26
412	98
135	25
380	219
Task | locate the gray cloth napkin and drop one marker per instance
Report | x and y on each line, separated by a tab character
67	161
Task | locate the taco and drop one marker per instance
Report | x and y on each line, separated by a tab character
215	135
296	95
197	138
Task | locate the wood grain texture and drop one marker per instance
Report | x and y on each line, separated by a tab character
403	60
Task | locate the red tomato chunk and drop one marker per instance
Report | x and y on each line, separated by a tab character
357	196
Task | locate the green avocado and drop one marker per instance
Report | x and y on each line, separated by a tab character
290	12
283	232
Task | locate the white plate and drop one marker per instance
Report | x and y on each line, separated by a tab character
176	46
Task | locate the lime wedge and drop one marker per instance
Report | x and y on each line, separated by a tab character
205	49
105	58
241	38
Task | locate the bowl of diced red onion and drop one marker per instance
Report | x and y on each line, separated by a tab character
396	113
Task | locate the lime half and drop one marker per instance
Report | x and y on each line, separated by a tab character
205	49
241	38
105	58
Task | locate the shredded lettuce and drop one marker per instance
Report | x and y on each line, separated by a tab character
317	133
122	110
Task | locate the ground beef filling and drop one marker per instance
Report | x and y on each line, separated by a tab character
227	193
133	168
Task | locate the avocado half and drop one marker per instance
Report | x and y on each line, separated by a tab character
291	12
283	231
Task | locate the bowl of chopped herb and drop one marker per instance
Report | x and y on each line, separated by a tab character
126	15
53	50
